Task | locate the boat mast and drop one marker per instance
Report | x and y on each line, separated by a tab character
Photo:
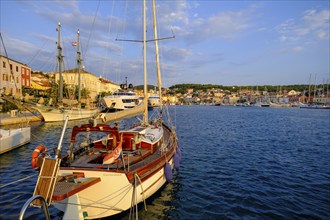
314	96
157	53
145	114
309	89
79	67
60	61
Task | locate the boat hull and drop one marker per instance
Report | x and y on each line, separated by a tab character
55	115
112	195
120	102
11	139
154	101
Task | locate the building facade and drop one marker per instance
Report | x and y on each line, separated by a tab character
14	76
92	83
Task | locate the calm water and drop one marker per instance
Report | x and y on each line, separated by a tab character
238	163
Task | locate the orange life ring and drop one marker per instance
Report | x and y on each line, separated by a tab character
40	149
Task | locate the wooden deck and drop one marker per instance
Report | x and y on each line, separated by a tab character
64	189
94	159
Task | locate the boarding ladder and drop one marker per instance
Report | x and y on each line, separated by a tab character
30	201
46	180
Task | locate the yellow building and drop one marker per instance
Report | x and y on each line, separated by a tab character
40	83
92	83
170	99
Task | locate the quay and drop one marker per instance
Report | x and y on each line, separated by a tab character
12	118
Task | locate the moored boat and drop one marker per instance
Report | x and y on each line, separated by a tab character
120	100
108	169
13	138
315	106
54	114
154	101
124	99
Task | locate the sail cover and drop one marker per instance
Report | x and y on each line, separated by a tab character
127	113
115	155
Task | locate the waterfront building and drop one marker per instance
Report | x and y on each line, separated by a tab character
293	93
322	100
40	84
171	99
89	81
14	76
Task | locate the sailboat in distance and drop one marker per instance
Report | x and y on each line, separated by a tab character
51	114
107	170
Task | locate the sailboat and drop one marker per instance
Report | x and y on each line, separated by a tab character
108	170
50	114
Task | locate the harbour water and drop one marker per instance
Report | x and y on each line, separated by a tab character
237	163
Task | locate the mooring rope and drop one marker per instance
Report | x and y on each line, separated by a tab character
132	210
17	181
144	200
125	190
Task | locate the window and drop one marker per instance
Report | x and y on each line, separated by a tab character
4	64
16	68
11	66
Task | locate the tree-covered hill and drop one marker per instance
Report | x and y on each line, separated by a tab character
204	87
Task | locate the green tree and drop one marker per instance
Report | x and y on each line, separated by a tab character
84	93
54	93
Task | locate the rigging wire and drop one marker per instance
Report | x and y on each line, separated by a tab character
162	71
52	63
119	72
109	31
90	33
36	54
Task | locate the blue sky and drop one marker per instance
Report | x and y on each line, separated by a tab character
216	42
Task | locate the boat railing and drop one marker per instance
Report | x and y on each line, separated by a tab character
29	202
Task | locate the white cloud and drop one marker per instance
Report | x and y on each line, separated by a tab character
226	25
106	44
297	49
313	24
176	54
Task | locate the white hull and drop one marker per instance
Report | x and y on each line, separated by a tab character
55	115
259	104
154	101
121	101
10	139
111	196
279	105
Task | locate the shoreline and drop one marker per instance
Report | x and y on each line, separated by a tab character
22	118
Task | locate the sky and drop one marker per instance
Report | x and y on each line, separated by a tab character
219	42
